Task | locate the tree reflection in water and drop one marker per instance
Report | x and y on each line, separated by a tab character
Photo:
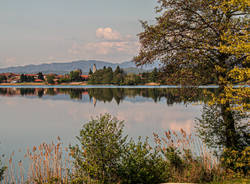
219	126
172	95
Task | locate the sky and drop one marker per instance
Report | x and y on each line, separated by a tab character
48	31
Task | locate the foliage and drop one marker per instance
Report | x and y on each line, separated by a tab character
119	77
46	163
187	158
3	78
216	133
2	170
142	164
104	156
64	80
75	76
49	164
50	79
234	42
100	150
236	163
190	36
26	78
233	181
40	76
132	79
107	76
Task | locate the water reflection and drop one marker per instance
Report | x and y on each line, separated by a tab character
30	116
219	127
171	95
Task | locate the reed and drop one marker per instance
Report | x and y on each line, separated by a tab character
194	162
47	163
51	163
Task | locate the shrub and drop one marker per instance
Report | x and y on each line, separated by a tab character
105	156
50	79
185	165
97	159
142	164
2	170
236	163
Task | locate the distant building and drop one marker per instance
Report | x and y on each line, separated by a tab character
94	68
85	77
38	80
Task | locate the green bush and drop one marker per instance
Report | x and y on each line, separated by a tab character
97	158
105	156
50	79
142	164
184	167
173	157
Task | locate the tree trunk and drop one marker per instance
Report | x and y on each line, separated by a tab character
231	134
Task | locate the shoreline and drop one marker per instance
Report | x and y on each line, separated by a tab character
68	84
86	85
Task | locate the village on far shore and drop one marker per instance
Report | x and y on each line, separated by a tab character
102	76
12	78
105	76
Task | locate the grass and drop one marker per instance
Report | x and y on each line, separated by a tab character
233	181
48	163
51	163
190	160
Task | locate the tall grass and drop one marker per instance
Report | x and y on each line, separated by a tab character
189	159
47	163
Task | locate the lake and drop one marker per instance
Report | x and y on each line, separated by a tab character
31	116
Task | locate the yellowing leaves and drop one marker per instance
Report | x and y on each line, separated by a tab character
234	43
232	5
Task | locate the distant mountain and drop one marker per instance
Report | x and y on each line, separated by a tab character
63	68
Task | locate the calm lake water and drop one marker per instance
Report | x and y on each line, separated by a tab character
31	116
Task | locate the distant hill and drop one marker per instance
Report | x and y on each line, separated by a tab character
63	68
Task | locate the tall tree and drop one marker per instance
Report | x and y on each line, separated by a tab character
188	35
75	75
40	76
50	79
3	78
210	39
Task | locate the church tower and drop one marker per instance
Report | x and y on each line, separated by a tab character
94	68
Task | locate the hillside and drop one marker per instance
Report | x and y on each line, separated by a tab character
62	68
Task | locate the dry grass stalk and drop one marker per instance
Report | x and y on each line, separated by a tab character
48	163
201	160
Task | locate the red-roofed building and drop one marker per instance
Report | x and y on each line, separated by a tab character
31	75
85	77
38	80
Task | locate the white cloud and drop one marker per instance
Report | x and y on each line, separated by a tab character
106	48
109	45
108	34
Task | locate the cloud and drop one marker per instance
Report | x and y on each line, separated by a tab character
106	48
109	45
108	34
